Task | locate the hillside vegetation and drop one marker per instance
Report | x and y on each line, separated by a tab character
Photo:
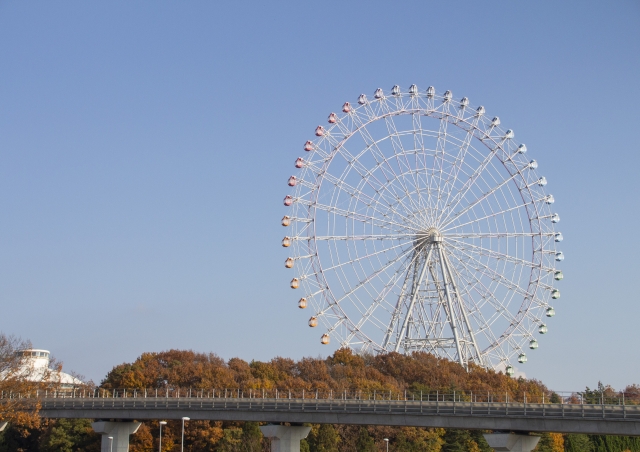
344	371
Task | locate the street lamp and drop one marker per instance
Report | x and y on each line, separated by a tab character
182	444
386	440
111	443
161	424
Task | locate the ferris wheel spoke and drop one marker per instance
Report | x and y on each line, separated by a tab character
466	143
399	150
360	237
492	215
362	218
489	296
367	256
366	199
449	219
369	278
495	276
497	255
380	298
379	157
497	235
483	323
367	175
473	179
476	313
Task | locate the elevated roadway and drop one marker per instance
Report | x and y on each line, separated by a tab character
600	419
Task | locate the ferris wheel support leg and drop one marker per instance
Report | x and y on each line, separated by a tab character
396	312
464	312
452	317
414	295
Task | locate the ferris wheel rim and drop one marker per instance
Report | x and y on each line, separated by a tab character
313	238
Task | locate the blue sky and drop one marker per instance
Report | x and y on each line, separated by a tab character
145	148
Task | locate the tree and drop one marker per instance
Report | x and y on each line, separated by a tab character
70	435
365	442
577	443
323	439
251	437
550	442
18	375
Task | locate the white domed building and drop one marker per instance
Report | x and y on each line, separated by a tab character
36	368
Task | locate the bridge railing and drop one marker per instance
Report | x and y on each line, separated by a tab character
565	397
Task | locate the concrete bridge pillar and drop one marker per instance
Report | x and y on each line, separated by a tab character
285	438
511	442
119	431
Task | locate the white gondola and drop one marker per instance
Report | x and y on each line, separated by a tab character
288	200
550	199
324	340
295	283
464	102
308	146
292	181
509	370
543	328
542	181
559	256
558	237
288	263
555	294
533	344
522	358
522	149
302	303
447	96
558	276
555	218
509	134
313	322
480	110
286	242
550	312
332	118
299	162
286	220
378	94
431	91
533	164
362	99
413	90
346	107
319	131
495	121
395	91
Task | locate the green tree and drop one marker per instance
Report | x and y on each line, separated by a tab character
251	437
323	439
365	442
456	440
231	440
577	443
70	435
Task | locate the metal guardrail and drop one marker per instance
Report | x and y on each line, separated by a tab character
415	407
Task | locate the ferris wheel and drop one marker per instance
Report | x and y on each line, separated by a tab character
418	223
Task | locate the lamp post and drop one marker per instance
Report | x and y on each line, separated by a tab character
386	440
160	444
182	444
111	443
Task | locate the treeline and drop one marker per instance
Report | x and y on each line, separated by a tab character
344	371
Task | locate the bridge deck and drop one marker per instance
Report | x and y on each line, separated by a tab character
534	417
